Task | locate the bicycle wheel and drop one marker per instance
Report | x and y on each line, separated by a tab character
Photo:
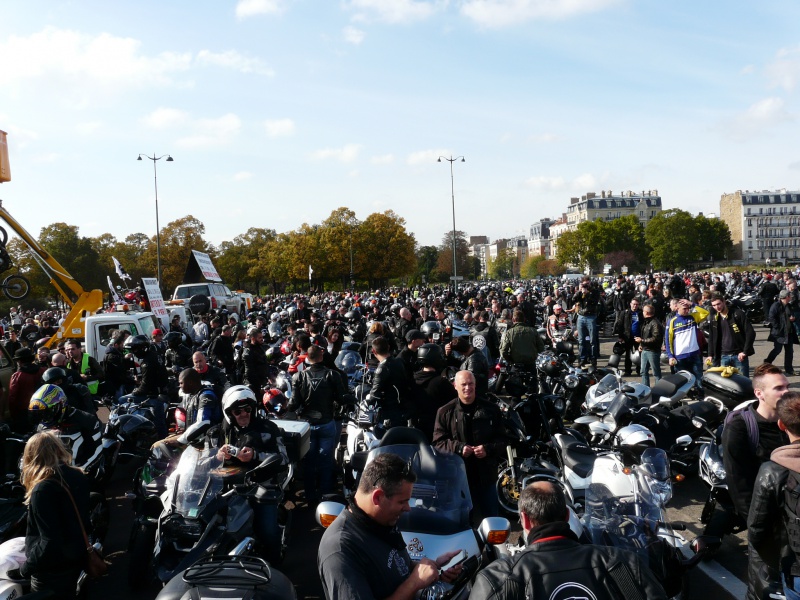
16	287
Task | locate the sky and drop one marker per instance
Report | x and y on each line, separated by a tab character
277	112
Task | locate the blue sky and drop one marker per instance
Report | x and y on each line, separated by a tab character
279	111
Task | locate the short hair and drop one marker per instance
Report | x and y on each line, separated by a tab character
380	345
789	412
314	353
762	371
518	316
460	344
387	472
543	503
119	338
303	341
190	375
648	308
72	342
717	296
376	327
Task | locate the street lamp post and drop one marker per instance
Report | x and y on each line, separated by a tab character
155	158
451	160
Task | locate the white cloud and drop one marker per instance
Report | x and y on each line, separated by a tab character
88	128
345	154
747	70
251	8
504	13
393	11
426	156
353	36
386	159
544	138
546	183
587	181
78	58
212	132
231	59
762	115
242	175
163	118
784	71
279	127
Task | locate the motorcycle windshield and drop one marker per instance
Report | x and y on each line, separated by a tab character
620	406
440	500
348	361
655	477
605	385
198	480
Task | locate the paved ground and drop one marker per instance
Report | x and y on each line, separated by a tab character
720	579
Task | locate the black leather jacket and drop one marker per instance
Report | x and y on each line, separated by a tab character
391	374
562	563
743	334
765	530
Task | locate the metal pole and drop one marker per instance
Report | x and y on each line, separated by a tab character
351	256
158	229
453	197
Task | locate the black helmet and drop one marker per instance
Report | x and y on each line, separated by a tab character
53	374
396	309
431	355
173	338
137	345
352	315
430	327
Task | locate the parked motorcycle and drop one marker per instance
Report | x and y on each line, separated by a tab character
439	519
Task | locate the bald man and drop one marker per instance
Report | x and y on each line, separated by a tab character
473	428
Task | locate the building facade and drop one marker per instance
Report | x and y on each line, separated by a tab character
609	206
764	225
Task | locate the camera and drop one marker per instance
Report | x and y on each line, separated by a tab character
233	451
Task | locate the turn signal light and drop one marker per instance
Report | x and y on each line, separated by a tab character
680	477
627	470
326	520
497	536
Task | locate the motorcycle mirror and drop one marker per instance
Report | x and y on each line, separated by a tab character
684	440
327	512
699	422
629	389
704	544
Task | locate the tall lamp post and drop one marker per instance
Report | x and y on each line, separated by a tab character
155	158
451	160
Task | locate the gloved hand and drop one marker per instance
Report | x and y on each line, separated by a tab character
14	574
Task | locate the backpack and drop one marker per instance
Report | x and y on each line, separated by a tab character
749	422
791	507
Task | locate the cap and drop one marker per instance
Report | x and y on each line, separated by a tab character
783	294
157	332
415	334
24	354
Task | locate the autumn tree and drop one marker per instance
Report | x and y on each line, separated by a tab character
341	238
391	252
503	265
445	261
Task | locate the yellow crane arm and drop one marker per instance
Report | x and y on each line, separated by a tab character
84	304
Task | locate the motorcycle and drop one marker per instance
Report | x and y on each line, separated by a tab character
626	509
132	423
237	575
439	519
558	376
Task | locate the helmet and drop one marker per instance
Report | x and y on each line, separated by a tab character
352	315
291	312
137	345
274	316
619	348
636	357
428	328
54	374
236	396
396	309
431	355
348	361
173	338
636	438
47	404
547	363
284	314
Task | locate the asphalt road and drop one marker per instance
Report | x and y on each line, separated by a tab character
721	578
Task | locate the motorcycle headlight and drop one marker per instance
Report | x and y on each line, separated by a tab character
718	469
571	380
559	405
661	490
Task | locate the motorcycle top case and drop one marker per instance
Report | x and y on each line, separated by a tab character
296	438
731	391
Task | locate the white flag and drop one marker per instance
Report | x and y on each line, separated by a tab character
310	271
114	296
120	271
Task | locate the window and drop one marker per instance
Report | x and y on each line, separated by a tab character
748	210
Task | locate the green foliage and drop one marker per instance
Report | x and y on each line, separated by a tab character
503	266
530	268
445	261
591	241
678	239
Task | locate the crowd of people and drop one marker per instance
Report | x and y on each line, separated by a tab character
224	364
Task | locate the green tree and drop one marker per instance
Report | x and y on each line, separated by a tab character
427	259
393	255
672	237
178	239
444	262
530	268
503	265
713	238
341	233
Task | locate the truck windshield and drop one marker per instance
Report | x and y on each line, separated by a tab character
190	290
148	324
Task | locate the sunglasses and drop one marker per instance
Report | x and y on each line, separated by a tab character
244	409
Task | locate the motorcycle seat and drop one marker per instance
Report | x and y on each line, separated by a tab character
579	457
667	386
403	435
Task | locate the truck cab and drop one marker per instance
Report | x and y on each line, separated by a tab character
100	329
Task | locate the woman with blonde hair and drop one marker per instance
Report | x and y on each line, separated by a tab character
54	543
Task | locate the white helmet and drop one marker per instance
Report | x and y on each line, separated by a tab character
238	395
274	316
636	437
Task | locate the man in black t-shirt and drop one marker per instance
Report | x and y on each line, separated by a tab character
362	554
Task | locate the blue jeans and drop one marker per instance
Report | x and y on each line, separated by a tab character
693	364
650	360
318	463
791	593
732	360
587	334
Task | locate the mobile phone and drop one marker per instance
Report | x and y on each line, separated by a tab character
456	560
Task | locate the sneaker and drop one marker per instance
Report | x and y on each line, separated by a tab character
788	372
